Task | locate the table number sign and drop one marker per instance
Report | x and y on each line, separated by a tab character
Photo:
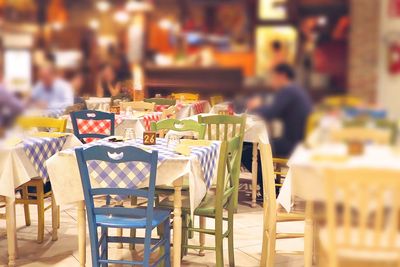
149	138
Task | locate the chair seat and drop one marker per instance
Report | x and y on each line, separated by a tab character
159	216
206	207
372	254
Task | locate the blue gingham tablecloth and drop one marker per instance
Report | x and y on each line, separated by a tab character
132	174
40	149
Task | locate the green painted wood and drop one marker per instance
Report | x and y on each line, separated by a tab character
161	101
214	204
236	122
180	126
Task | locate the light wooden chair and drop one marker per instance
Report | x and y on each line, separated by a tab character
362	134
365	229
216	100
342	101
169	113
138	105
272	213
185	96
35	192
28	123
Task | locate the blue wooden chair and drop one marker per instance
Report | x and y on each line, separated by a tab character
109	216
92	115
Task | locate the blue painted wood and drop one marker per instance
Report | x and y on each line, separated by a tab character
106	217
91	115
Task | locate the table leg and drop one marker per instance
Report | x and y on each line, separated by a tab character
82	233
11	231
309	234
177	223
254	176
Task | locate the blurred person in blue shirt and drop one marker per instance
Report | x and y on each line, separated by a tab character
291	105
51	91
10	106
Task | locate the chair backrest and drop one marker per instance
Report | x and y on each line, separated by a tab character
27	123
185	96
369	215
178	125
233	126
342	101
161	101
120	155
313	121
270	204
380	124
216	100
362	134
138	105
169	113
92	117
226	184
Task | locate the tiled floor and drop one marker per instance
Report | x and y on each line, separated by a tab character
64	252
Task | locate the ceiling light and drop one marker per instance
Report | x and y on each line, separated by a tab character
121	16
165	24
103	5
94	24
137	6
57	26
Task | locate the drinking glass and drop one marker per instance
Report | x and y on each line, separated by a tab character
129	134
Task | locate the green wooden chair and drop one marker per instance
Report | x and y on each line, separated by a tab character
161	127
161	101
214	204
224	128
180	126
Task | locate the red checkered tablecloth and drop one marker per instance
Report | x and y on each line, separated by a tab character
199	106
147	119
104	126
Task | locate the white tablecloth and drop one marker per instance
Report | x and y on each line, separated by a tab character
98	103
67	187
16	168
305	178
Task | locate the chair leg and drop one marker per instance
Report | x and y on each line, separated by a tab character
40	209
184	236
120	233
55	217
167	246
231	250
26	205
202	236
58	215
271	247
133	230
104	246
219	239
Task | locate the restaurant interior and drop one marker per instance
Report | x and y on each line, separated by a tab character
200	133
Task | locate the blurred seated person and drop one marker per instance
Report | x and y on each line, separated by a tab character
291	105
107	85
10	107
76	79
51	91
